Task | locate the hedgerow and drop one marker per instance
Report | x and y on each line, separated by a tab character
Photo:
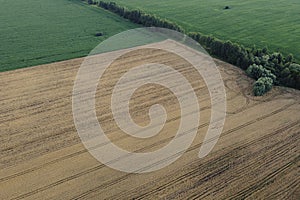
139	17
259	64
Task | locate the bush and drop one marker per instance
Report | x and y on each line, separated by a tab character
262	86
258	71
294	76
99	34
259	88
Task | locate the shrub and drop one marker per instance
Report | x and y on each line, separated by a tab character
294	77
262	86
258	71
99	34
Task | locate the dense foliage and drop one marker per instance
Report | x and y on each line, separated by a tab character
267	68
258	71
262	85
139	17
257	62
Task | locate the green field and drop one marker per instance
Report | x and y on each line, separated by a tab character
35	32
274	24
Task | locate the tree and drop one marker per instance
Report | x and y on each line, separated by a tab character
262	86
258	71
289	58
265	50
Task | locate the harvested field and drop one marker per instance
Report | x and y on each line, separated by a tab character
42	157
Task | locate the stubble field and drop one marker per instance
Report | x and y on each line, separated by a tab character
42	157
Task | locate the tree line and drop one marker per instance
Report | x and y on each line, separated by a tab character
258	63
138	16
266	68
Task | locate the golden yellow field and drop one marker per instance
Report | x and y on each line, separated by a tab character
42	157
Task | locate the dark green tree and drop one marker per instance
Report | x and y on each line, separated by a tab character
262	86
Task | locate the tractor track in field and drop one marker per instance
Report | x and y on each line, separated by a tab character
123	178
36	123
201	126
70	129
193	173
